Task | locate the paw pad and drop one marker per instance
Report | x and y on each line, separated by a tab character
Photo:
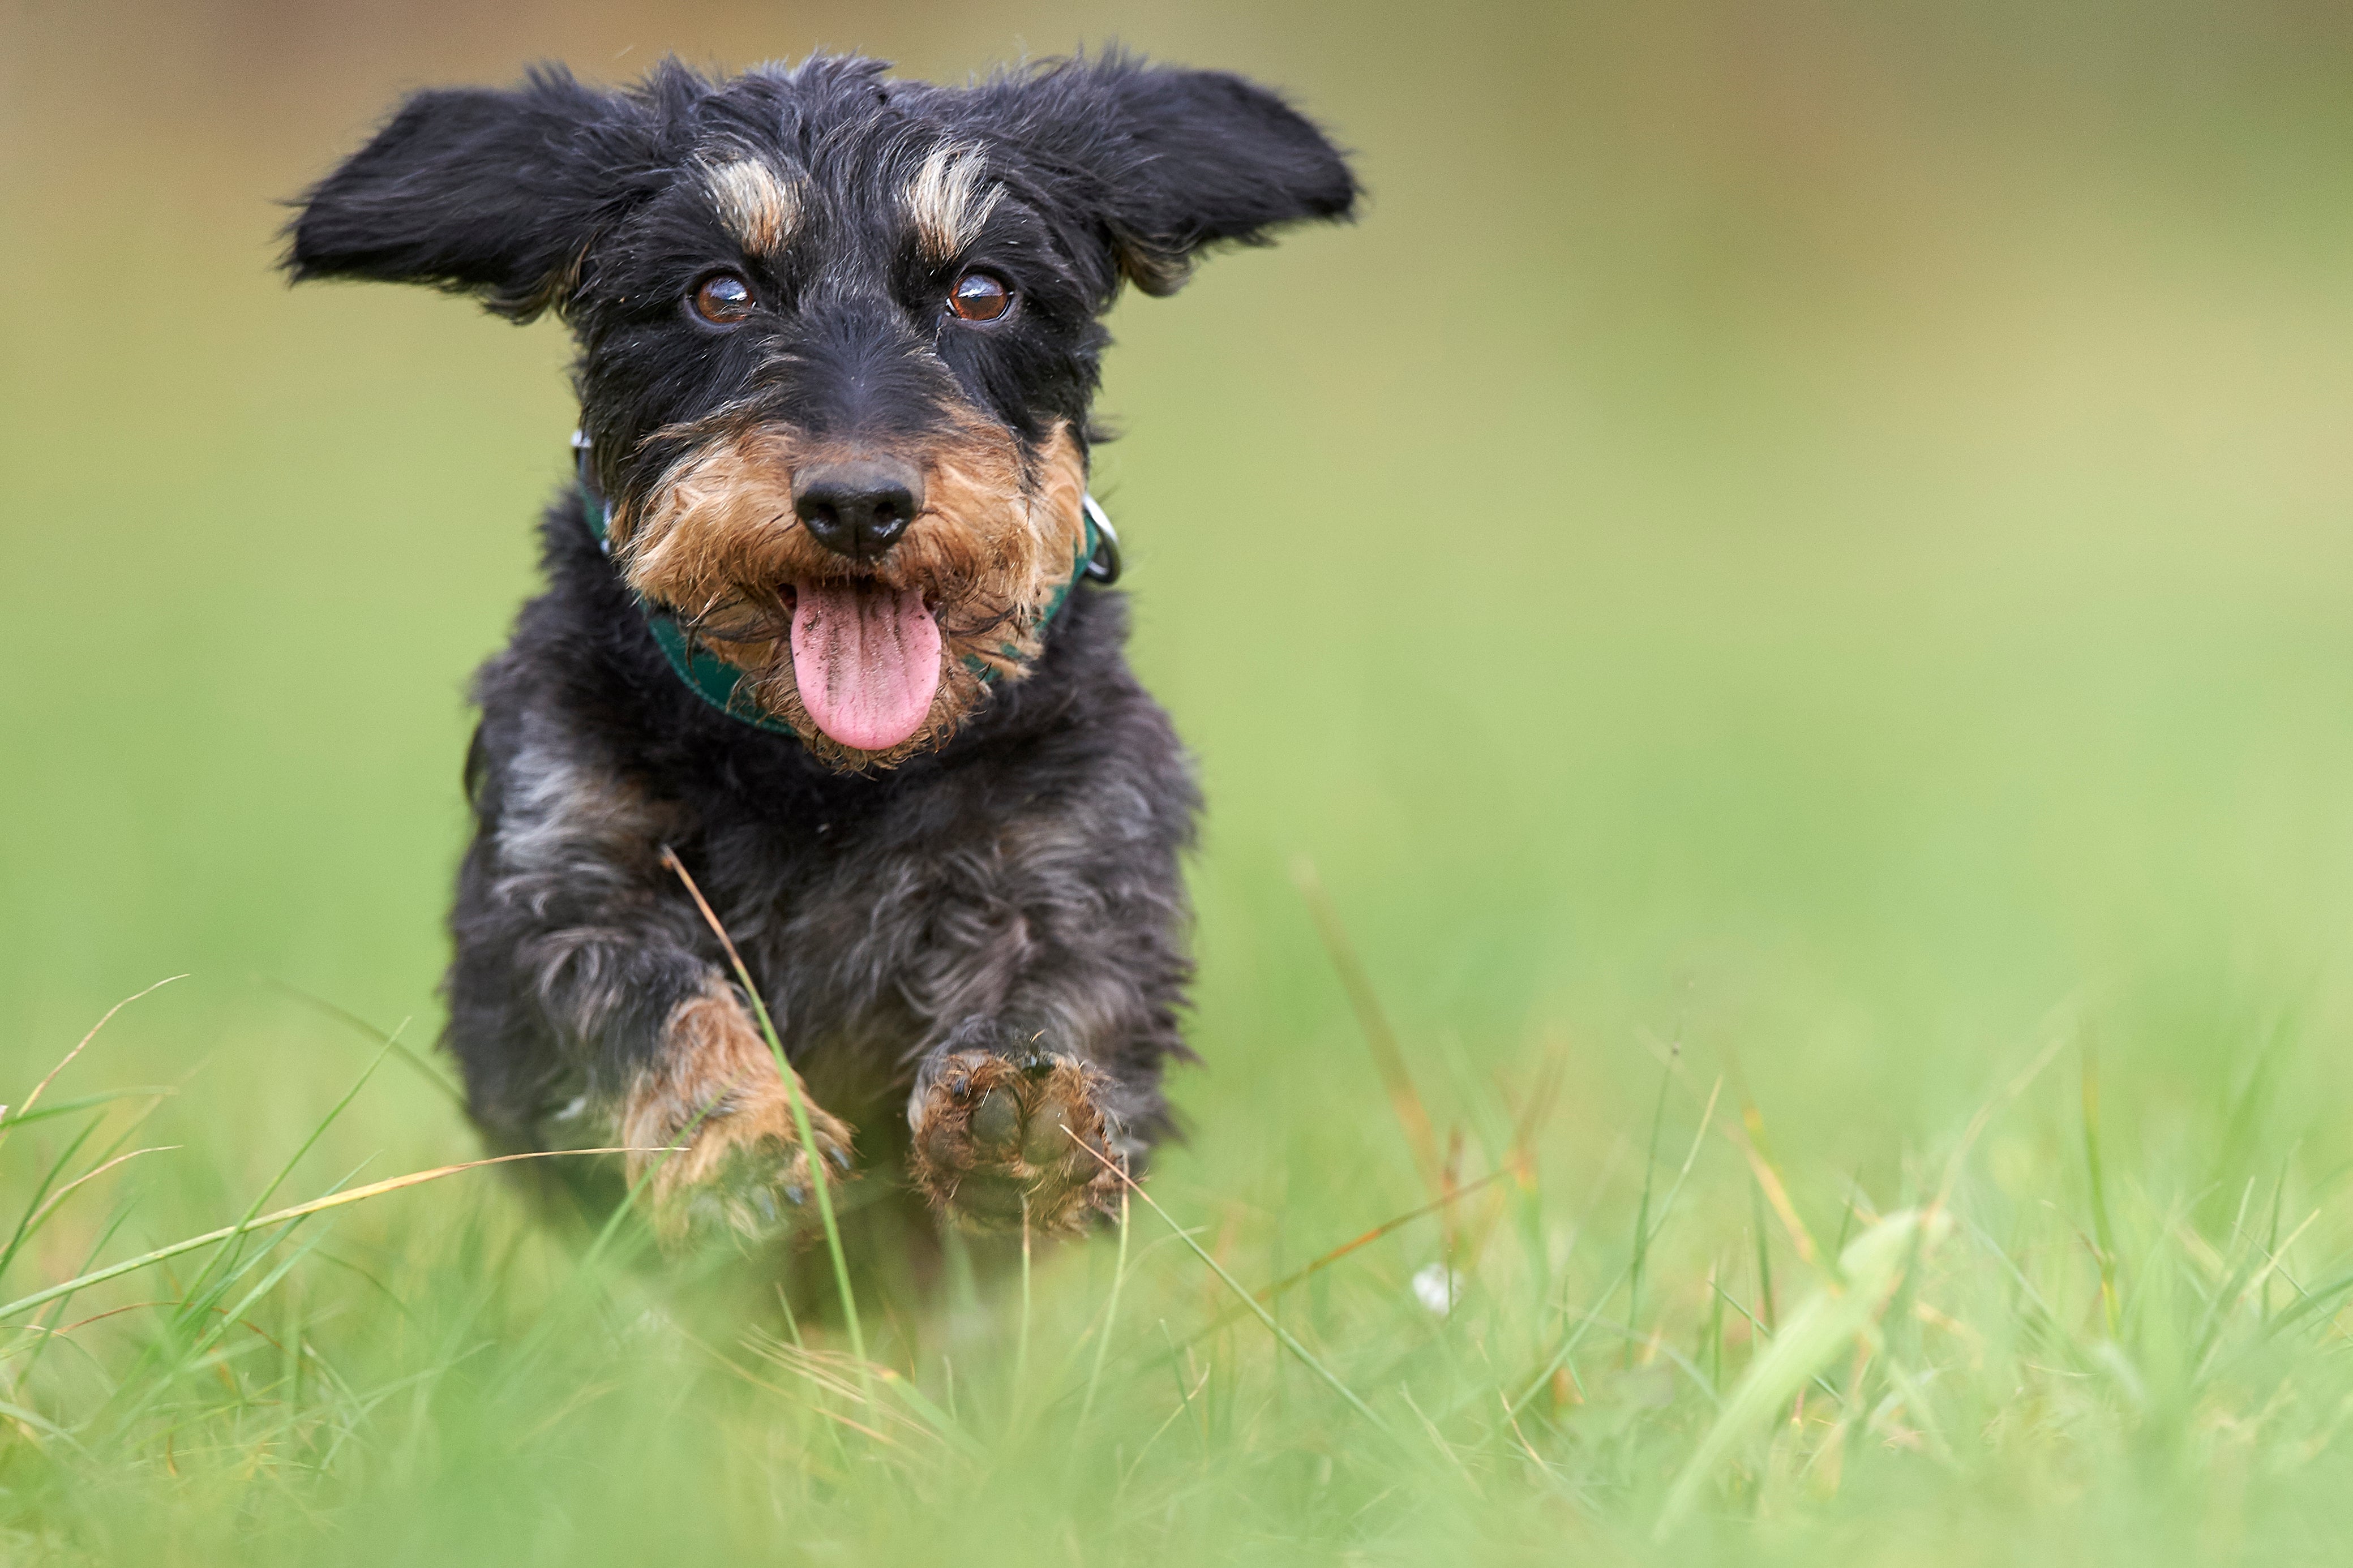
996	1120
995	1135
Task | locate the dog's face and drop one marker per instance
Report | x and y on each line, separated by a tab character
838	333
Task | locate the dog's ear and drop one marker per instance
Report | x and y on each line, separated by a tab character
1171	160
475	190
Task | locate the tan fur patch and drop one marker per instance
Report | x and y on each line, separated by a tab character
947	200
717	542
762	205
1156	271
713	1063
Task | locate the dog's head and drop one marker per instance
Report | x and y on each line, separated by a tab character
839	333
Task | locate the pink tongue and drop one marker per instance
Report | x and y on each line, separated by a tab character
868	661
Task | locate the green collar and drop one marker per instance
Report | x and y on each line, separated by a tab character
721	684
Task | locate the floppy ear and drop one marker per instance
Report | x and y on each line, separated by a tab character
491	192
1174	159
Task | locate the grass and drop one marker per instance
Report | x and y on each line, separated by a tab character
1786	585
2011	1346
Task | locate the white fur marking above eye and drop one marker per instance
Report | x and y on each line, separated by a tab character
947	199
761	206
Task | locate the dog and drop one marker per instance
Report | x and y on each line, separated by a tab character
827	616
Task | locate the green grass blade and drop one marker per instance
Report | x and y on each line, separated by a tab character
222	1257
105	1018
1642	1213
1824	1325
423	1066
820	1179
84	1102
35	1206
2102	1227
1111	1316
316	1206
1258	1308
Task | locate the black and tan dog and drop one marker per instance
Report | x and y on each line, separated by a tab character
824	615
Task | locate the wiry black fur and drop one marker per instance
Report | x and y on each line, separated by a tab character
1022	882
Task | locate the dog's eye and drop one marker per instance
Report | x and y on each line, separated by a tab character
722	299
980	297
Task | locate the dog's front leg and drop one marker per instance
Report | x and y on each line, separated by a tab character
584	971
710	1115
1054	1013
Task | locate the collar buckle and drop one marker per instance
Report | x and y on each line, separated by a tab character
600	523
1103	562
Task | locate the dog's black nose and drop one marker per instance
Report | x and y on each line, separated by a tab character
858	508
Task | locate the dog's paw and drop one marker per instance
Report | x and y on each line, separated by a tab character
999	1140
712	1120
740	1170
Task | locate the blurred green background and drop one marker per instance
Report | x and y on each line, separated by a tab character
1815	532
1817	527
1812	525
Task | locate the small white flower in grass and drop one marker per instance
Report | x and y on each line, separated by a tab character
653	1326
1438	1287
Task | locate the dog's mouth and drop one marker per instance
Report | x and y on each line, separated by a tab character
869	657
866	658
